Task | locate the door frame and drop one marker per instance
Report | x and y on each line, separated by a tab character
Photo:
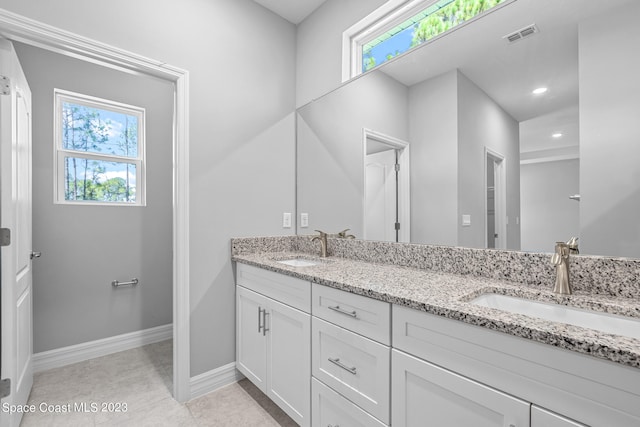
404	179
19	28
500	194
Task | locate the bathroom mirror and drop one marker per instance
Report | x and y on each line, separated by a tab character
491	164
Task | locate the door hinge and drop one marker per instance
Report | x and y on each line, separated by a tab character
397	226
5	388
5	85
5	236
397	167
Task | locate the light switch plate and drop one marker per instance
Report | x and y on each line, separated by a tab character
286	220
466	220
304	220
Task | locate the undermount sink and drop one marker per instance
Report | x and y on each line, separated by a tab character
298	262
604	322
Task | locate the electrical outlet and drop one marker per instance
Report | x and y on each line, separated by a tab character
286	220
304	220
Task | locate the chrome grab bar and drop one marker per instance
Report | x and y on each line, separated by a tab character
343	311
117	283
337	362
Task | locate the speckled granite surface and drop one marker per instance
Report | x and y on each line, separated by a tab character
441	281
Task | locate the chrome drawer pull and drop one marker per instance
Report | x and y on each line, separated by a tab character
343	311
337	362
260	324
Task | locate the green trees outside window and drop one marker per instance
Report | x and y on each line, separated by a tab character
100	149
436	19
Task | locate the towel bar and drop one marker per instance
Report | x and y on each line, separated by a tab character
132	282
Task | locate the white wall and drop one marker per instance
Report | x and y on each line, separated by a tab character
241	59
86	247
483	123
331	150
319	46
433	134
548	215
609	134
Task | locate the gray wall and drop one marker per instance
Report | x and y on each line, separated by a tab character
609	133
451	123
319	46
483	123
241	59
86	247
330	148
433	124
548	215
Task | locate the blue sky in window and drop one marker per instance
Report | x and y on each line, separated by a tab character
395	45
115	123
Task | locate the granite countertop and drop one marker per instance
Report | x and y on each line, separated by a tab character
448	295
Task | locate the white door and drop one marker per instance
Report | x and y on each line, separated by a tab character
380	196
15	215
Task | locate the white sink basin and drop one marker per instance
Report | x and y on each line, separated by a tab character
298	262
604	322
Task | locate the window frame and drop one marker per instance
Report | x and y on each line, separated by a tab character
61	96
383	19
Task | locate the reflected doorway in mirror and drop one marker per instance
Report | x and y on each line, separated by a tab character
386	196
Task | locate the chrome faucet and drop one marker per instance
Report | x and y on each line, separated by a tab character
343	234
561	260
322	238
573	246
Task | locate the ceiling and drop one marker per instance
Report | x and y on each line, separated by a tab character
293	11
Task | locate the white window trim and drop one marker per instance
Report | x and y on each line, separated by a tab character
390	14
61	96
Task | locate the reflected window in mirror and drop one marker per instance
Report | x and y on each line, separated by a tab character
387	34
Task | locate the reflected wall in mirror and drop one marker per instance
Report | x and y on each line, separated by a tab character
493	164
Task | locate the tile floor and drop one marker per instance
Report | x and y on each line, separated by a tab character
141	379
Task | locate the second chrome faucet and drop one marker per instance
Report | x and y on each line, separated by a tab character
560	259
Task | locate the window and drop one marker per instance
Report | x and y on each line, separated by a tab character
99	151
400	26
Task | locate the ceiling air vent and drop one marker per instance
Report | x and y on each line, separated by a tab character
521	33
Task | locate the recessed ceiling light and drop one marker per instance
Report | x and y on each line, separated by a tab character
557	135
539	90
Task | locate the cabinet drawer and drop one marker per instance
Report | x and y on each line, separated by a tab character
354	366
328	408
423	391
283	288
366	316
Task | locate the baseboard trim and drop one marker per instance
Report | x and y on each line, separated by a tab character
214	379
80	352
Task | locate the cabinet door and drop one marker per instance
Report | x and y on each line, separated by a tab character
289	360
251	341
543	418
426	395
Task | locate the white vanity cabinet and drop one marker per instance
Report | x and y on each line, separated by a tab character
428	395
351	359
447	372
273	338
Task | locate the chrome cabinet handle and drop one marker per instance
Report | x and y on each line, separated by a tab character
343	311
264	322
260	324
336	361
